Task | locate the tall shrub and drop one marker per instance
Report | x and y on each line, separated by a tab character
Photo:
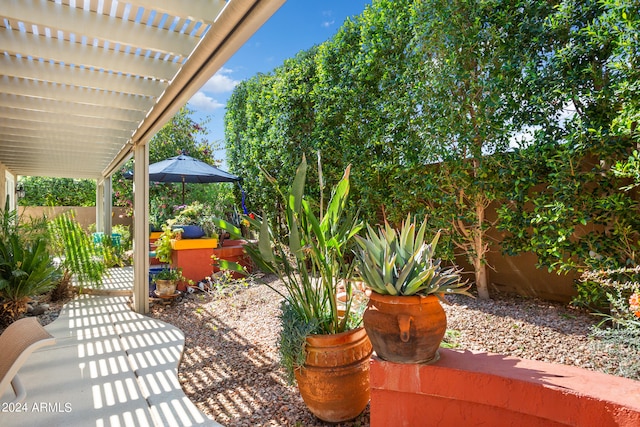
503	96
568	207
466	64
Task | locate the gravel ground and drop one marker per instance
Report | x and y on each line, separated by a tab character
230	367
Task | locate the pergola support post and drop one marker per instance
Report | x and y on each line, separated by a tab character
108	206
100	206
141	229
104	209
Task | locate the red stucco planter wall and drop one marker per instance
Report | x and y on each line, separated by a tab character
470	389
196	264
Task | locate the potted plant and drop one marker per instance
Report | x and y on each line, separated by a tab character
404	318
208	224
322	343
163	244
167	280
188	219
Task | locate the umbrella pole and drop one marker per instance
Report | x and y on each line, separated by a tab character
183	189
244	207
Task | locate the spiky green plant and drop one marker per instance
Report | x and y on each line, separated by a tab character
25	271
26	268
310	260
401	262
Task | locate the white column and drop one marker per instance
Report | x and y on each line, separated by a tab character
9	190
108	208
141	229
100	205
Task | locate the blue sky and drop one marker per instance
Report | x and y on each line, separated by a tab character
296	26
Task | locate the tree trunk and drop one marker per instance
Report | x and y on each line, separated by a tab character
481	278
480	249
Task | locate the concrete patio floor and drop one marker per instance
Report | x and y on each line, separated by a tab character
109	367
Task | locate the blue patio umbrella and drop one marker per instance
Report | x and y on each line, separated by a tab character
186	169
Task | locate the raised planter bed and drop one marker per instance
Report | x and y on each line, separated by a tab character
196	262
469	388
182	244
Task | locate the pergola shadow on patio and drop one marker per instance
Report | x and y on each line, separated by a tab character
109	367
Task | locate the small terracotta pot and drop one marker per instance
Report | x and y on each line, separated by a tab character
165	287
405	329
334	381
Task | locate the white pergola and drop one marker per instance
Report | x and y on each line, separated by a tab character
85	84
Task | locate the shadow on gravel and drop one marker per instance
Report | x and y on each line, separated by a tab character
231	374
230	367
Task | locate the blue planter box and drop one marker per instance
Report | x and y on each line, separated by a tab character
190	231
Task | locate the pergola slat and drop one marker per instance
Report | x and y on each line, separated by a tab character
76	76
85	84
104	27
23	104
60	51
78	95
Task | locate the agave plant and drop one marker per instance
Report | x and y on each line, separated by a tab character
400	262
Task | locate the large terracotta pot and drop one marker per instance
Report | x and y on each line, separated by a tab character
405	329
334	381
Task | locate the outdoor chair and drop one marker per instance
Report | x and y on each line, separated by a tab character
17	342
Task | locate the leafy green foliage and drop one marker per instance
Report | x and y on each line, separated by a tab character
310	258
111	252
404	85
570	211
568	207
163	244
292	339
172	274
47	191
24	271
591	296
78	254
467	67
182	134
447	108
189	214
629	168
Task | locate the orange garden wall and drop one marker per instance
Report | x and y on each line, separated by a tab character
196	264
467	389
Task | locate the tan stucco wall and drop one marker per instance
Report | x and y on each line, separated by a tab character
85	215
519	274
